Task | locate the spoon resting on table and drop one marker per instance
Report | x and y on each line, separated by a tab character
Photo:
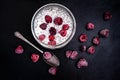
48	57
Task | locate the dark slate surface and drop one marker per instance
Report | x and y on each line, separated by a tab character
103	65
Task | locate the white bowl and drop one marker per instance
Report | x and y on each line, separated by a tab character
54	10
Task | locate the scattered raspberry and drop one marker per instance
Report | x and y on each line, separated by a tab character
74	55
19	49
47	55
90	26
52	31
35	57
63	33
53	43
52	70
83	38
48	19
68	53
82	48
104	32
107	15
82	63
91	50
51	38
58	21
65	27
96	40
41	37
43	26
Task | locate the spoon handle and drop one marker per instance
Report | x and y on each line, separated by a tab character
18	35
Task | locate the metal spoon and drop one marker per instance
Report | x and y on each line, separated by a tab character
53	61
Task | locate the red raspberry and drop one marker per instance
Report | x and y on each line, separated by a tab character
83	38
47	55
107	15
82	63
41	37
58	21
74	55
35	57
83	48
48	19
104	32
96	40
51	38
52	31
68	53
52	70
63	33
19	50
43	26
65	27
90	26
53	43
91	50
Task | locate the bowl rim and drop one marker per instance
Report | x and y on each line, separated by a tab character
51	46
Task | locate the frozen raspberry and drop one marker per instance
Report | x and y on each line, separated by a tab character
65	27
90	26
104	32
52	70
58	21
48	19
91	50
82	63
74	55
107	15
83	48
96	40
34	57
53	43
41	37
51	38
47	55
43	26
63	33
52	31
83	38
19	49
68	53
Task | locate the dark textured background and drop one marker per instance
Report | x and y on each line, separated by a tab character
103	65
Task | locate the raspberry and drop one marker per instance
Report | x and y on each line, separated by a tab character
82	63
58	21
91	50
52	31
65	27
83	38
107	15
74	55
53	43
51	38
48	19
19	49
83	48
47	55
68	53
43	26
104	32
96	40
90	26
63	33
41	37
35	57
52	70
